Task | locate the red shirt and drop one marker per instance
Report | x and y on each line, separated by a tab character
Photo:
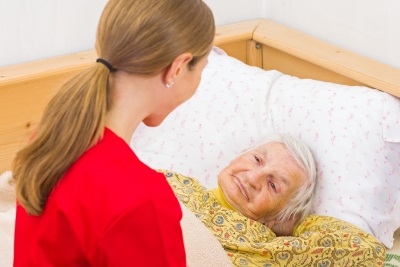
109	209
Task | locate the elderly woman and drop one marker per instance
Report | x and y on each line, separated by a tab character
271	183
266	192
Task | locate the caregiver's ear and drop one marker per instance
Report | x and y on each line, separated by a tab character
176	67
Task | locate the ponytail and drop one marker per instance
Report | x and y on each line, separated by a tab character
135	36
72	122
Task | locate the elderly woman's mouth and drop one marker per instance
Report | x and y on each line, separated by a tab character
242	188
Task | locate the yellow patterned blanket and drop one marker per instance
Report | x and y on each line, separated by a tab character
316	241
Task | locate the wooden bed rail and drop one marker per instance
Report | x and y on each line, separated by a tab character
308	57
270	45
25	89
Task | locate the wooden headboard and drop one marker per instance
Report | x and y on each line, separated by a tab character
26	88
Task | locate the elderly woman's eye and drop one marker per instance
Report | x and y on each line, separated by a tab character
273	186
257	159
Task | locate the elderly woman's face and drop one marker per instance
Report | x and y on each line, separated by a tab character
260	182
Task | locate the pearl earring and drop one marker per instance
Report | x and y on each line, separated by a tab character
169	85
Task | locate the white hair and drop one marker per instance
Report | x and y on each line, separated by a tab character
300	203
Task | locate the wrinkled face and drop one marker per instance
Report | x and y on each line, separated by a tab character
260	182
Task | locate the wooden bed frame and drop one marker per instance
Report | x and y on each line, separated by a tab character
26	88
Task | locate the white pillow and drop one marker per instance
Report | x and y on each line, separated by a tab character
353	132
226	115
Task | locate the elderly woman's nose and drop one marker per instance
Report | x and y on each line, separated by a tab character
255	179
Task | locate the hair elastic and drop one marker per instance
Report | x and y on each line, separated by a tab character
105	63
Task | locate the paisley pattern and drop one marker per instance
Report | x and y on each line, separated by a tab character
319	241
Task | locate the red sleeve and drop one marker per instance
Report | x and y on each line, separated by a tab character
149	235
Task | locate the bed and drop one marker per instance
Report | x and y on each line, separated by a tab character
315	90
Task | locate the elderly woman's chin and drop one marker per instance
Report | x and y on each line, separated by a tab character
232	193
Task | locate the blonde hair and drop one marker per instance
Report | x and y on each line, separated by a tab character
136	36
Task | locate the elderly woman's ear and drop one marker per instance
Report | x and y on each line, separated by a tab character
283	228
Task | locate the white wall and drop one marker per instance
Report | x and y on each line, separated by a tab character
231	11
367	27
35	29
